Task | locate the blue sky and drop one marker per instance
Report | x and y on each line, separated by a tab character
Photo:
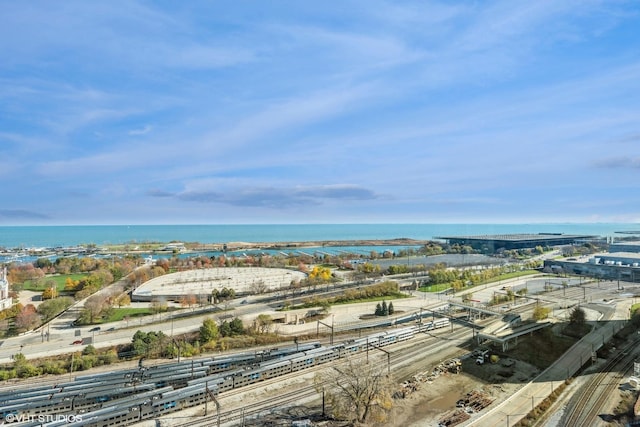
129	112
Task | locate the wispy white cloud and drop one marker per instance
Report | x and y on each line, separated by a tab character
271	197
21	214
142	131
425	108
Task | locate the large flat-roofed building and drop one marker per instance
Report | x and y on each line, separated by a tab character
613	266
630	246
494	243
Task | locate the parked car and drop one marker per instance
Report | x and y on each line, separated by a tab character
96	329
77	342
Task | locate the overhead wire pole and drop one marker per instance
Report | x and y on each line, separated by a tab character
213	397
328	326
388	359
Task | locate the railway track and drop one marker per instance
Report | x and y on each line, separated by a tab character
403	353
592	397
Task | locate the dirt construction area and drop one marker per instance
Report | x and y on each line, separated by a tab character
447	398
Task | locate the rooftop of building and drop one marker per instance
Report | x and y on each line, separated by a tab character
520	237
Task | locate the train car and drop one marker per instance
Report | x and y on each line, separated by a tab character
278	353
435	324
104	376
24	393
216	380
405	333
107	416
441	323
386	339
165	376
35	406
176	379
262	373
225	363
141	397
351	346
25	398
323	355
180	399
372	341
95	398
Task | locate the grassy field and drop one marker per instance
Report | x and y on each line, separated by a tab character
435	288
120	313
59	279
443	286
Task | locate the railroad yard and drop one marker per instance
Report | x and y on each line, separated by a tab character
435	359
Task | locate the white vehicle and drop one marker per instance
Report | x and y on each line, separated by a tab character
481	356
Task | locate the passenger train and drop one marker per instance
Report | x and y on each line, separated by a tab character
159	395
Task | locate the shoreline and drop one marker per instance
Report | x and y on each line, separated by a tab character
160	248
304	244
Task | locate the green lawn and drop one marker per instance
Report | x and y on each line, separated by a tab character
399	295
442	286
59	279
435	288
121	313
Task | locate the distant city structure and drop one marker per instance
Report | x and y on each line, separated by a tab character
611	266
5	300
174	247
495	243
631	246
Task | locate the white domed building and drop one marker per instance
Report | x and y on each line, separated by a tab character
5	300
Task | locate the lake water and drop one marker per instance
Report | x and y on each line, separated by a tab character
62	236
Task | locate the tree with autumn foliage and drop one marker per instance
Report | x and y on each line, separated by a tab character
323	274
28	318
49	293
70	284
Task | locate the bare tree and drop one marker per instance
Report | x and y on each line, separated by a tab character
93	307
258	287
357	392
158	305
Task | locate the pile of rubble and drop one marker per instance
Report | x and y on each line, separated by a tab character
474	401
453	366
453	418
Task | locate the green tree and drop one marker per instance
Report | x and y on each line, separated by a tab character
89	350
237	328
209	331
385	309
378	311
225	329
23	368
541	312
50	308
390	308
149	343
577	316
